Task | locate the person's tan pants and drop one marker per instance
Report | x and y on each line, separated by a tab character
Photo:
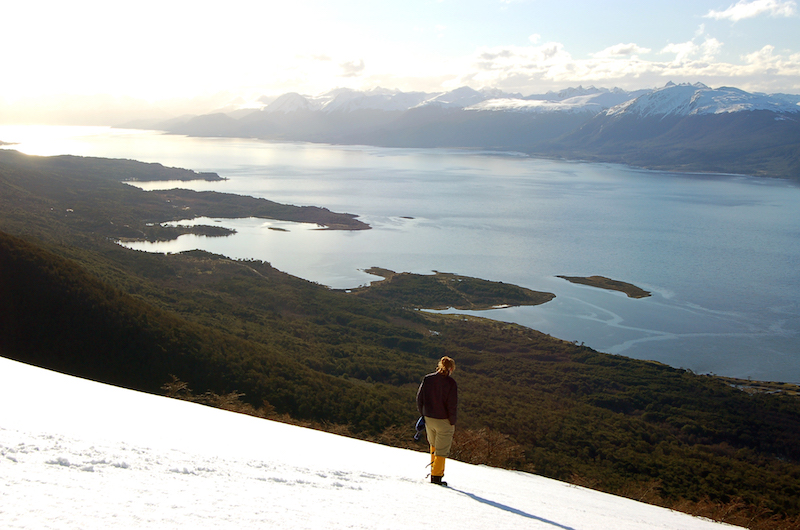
440	437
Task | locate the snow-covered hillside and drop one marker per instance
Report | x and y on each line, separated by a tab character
687	100
582	103
578	99
79	454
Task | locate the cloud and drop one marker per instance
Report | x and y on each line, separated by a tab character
352	68
686	51
621	50
493	56
526	57
691	50
550	66
762	57
700	30
744	9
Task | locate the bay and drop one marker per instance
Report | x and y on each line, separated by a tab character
720	253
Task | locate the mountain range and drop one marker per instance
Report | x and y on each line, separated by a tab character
685	127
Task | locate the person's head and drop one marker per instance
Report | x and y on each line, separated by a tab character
446	366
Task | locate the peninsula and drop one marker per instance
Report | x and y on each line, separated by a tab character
443	290
91	194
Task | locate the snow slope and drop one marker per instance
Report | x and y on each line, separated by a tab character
79	454
584	103
590	99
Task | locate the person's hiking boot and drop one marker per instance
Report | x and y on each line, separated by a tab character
438	481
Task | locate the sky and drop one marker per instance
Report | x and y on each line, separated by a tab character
158	51
80	454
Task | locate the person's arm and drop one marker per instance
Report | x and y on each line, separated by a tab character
419	398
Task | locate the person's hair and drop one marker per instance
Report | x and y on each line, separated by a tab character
446	366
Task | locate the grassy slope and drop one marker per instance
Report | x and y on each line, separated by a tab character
74	301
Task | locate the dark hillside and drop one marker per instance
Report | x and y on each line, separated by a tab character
502	131
56	315
758	143
429	126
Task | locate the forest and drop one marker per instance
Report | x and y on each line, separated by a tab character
245	336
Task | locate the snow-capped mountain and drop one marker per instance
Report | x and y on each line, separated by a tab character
730	130
377	99
698	99
346	100
292	102
671	99
695	128
571	92
458	98
80	454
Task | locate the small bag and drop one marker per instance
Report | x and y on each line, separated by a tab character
420	426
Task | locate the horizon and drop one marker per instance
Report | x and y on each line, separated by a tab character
86	59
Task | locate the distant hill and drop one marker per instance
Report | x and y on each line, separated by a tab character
676	127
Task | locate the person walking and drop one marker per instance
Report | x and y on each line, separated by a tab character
437	402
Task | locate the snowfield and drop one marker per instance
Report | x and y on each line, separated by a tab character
80	454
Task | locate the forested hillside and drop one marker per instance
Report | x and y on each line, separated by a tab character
203	326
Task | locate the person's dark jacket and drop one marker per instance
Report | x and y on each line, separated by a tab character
437	397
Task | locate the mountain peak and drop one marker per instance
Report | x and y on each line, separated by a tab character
289	102
460	97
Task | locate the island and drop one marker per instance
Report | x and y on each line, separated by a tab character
442	290
607	283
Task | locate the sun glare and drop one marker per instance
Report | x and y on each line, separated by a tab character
51	140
